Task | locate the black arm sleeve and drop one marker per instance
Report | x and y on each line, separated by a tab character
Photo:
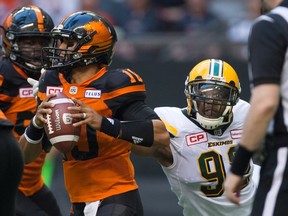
136	125
136	111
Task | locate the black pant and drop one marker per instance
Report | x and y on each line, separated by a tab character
11	170
42	203
272	191
126	204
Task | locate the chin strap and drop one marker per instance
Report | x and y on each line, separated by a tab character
207	123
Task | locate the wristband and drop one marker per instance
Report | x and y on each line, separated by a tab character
241	161
33	134
35	124
110	127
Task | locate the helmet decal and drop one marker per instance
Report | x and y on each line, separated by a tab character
216	68
39	18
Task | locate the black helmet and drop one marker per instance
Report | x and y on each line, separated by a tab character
95	39
26	23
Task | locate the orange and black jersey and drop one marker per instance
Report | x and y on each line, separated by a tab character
19	105
99	166
116	91
15	92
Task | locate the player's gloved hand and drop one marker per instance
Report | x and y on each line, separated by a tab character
35	83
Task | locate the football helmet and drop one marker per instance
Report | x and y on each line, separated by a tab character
212	88
94	36
25	31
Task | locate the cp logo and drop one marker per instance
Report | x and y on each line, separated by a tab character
193	139
26	92
51	90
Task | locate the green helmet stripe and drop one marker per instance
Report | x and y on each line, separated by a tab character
216	68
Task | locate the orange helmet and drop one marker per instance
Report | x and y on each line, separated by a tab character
212	89
95	39
28	22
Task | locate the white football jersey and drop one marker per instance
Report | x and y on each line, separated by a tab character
201	162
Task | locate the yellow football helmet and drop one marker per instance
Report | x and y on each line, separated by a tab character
212	89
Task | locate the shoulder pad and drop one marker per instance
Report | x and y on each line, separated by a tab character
120	78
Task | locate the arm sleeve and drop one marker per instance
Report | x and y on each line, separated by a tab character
267	49
136	111
137	126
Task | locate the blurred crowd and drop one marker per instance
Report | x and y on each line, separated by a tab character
161	30
169	30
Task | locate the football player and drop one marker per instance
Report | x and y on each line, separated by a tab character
11	161
99	175
204	136
24	32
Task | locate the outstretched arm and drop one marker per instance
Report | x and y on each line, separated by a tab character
139	125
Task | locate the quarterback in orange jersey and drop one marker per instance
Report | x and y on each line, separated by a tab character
11	166
99	175
24	32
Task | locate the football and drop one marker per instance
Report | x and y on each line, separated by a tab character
59	129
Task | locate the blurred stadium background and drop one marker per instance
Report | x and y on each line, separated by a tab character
163	57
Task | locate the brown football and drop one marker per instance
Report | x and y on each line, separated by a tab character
59	129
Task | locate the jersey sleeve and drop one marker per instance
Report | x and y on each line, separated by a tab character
122	89
9	82
267	49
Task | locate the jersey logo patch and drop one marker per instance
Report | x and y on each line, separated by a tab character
26	92
236	134
137	140
73	90
93	94
53	89
197	138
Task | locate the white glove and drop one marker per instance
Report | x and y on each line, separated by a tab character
35	83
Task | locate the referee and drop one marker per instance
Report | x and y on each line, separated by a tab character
11	167
268	67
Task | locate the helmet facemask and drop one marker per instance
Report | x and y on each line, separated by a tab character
26	53
65	56
211	102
